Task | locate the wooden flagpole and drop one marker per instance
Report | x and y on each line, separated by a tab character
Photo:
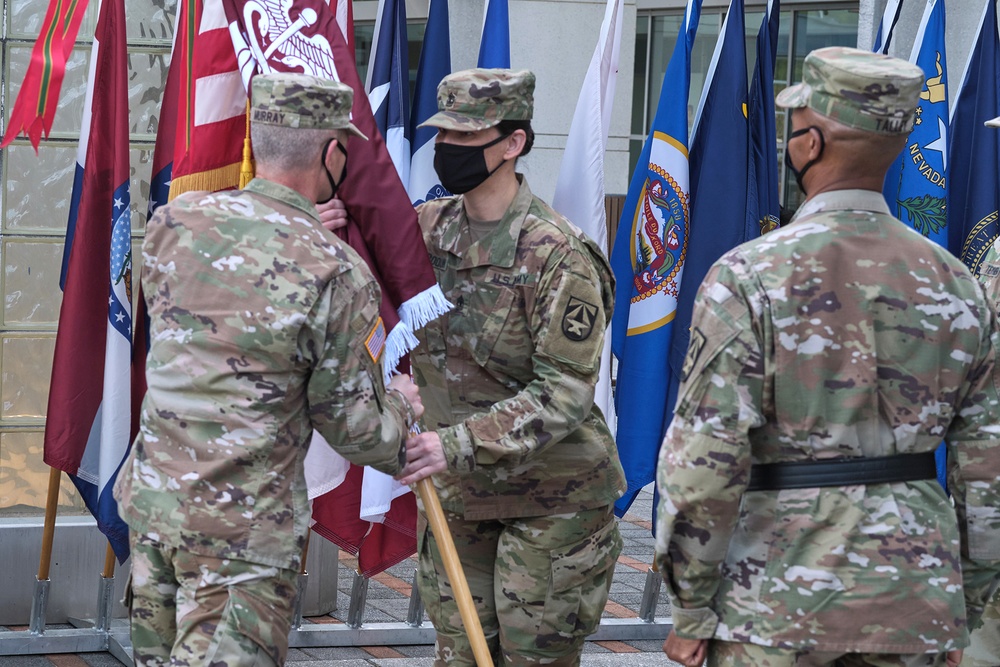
49	528
453	566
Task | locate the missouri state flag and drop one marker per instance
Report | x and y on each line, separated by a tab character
89	425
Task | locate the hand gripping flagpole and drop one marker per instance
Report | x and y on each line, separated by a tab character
453	567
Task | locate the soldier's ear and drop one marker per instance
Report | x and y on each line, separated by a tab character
515	144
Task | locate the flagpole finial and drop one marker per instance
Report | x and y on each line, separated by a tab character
247	167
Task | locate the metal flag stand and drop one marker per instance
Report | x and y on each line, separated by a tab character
101	634
107	634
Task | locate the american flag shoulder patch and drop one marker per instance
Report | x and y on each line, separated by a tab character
375	342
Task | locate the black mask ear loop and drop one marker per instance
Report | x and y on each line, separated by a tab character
799	175
333	184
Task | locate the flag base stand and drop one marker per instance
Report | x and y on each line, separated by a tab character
39	602
650	595
102	634
359	598
118	641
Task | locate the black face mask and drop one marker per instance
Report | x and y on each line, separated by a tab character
463	168
322	160
788	157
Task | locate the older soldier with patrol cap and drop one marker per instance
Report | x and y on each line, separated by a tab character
800	521
984	646
263	327
524	463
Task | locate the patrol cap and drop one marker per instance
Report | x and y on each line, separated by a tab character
477	99
864	90
301	101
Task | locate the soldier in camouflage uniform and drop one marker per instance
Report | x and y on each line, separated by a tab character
263	327
984	646
800	522
527	468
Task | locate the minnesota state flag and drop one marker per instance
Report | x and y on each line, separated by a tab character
648	260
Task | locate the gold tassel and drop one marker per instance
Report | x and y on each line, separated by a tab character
213	180
246	169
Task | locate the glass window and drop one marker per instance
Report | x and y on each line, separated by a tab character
33	225
800	31
364	33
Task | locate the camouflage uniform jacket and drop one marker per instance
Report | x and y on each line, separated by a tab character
259	319
507	378
844	334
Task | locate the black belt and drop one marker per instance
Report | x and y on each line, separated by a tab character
842	472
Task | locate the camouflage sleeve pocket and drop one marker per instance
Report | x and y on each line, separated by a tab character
574	331
710	339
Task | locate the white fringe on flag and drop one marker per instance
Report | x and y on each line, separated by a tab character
424	307
398	343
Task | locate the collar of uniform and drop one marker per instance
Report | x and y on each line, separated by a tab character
282	193
843	200
499	247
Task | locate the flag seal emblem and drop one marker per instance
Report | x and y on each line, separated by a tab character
578	319
980	239
660	227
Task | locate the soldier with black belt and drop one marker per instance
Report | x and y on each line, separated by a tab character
800	522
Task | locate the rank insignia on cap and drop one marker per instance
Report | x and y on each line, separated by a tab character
376	340
578	319
695	347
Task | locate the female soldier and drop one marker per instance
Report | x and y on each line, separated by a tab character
524	463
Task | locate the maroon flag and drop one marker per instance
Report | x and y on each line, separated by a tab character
304	36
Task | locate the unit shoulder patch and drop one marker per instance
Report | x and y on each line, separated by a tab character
695	347
578	319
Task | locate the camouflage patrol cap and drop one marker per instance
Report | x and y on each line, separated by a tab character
302	101
477	99
864	90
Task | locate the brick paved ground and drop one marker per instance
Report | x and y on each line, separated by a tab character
389	598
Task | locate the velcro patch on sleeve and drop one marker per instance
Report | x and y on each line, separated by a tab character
375	342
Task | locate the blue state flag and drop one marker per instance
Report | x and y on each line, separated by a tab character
720	144
648	260
434	65
974	157
916	183
494	47
763	204
388	83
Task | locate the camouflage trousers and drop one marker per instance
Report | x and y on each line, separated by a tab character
539	584
191	610
735	654
984	651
